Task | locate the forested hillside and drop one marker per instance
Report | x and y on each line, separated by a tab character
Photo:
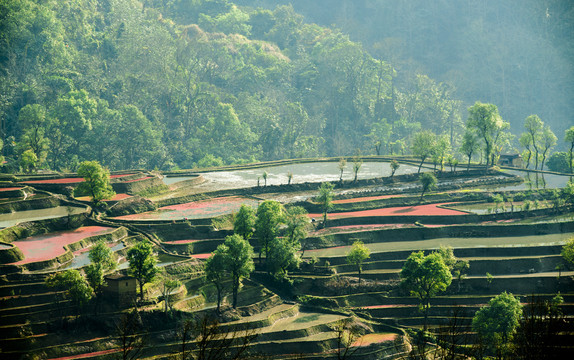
182	83
517	54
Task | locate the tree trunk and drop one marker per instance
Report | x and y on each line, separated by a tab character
218	298
235	290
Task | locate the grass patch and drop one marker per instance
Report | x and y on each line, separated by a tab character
154	191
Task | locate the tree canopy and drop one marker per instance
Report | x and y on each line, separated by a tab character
142	264
496	322
424	277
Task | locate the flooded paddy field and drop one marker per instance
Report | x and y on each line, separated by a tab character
302	173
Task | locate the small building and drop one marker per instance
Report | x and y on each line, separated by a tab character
514	160
121	289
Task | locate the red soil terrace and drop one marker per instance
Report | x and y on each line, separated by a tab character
176	242
87	355
193	210
367	198
11	188
117	197
67	180
49	246
201	256
369	339
420	210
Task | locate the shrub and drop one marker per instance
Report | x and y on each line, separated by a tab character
559	162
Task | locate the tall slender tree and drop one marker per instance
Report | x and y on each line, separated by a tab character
489	126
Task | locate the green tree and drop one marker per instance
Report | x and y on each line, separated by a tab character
533	135
216	271
142	264
485	121
342	165
547	142
269	219
238	262
357	256
168	284
525	141
96	182
282	257
394	167
297	222
28	161
457	267
568	192
568	251
569	138
265	177
357	163
441	150
102	261
496	322
325	199
32	120
428	182
558	162
244	223
424	143
424	277
75	287
469	146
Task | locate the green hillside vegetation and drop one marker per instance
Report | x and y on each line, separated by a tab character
515	53
196	83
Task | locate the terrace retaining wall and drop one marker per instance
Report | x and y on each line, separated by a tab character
32	204
132	187
10	254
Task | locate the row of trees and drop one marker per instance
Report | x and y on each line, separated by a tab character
504	327
279	234
81	288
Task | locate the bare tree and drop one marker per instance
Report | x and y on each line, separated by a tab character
130	335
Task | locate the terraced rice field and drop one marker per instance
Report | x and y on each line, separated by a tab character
10	189
11	219
366	198
419	210
487	208
550	239
67	180
375	338
49	246
305	172
117	197
203	209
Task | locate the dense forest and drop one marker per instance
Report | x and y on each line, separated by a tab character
517	54
181	83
